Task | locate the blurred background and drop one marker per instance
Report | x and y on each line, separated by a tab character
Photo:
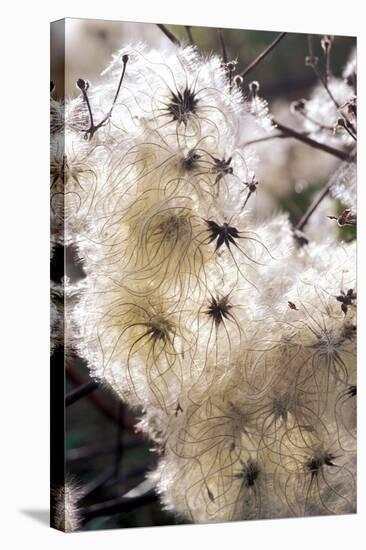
89	46
105	454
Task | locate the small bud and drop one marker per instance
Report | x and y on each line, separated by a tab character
352	106
82	84
340	124
300	237
238	80
346	218
299	105
326	42
125	58
254	88
231	66
311	61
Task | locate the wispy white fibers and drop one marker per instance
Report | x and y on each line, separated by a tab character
90	43
323	110
345	185
330	112
237	343
67	515
167	201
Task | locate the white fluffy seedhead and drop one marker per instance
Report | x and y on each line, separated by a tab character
76	167
323	112
67	516
345	185
237	344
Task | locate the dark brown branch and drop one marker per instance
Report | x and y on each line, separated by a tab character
124	61
327	46
223	46
118	505
314	205
169	34
266	138
90	452
310	45
315	144
102	402
83	85
107	477
80	392
190	35
263	54
126	481
324	81
98	482
312	62
119	441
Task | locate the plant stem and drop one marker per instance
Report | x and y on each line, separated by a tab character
169	34
80	392
314	205
223	46
102	402
118	505
315	144
119	443
190	35
265	138
263	54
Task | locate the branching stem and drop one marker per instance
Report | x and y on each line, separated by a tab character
80	392
169	34
263	54
342	155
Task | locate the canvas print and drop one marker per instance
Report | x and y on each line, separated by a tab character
203	274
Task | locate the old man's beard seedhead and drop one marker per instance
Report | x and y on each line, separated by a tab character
227	334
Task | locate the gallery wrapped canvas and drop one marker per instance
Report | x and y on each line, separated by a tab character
203	274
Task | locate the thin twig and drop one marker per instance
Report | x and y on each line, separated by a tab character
102	402
126	481
118	505
223	46
315	144
80	392
314	205
124	60
119	444
98	482
266	138
324	82
83	85
310	45
263	54
107	477
90	452
190	35
313	65
169	34
327	55
349	132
